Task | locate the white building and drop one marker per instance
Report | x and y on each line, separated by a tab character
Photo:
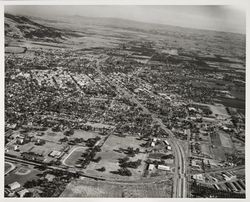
22	192
151	167
166	142
169	147
199	177
162	167
14	185
55	153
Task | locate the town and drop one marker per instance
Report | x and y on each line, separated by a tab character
141	118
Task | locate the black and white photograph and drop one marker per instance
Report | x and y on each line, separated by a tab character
124	101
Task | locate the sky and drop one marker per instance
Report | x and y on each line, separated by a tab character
220	18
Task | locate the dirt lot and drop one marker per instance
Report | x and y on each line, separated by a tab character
225	139
109	158
92	188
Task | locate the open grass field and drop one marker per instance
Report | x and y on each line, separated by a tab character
109	158
219	110
85	134
217	150
225	139
92	188
73	157
7	166
56	136
235	103
205	149
222	144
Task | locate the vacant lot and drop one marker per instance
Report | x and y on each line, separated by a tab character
205	149
235	103
56	136
225	139
222	144
217	149
109	158
92	188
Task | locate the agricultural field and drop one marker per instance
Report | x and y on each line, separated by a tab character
92	188
12	49
222	144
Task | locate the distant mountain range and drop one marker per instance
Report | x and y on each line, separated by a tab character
28	27
20	27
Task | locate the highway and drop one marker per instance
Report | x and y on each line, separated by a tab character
180	180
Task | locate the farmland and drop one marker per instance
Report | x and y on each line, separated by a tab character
92	188
12	49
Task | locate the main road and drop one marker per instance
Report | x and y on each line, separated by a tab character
180	180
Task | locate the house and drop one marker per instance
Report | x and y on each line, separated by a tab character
166	142
16	147
192	109
152	144
195	165
49	177
20	141
22	192
55	153
40	142
14	185
163	167
151	167
227	176
199	177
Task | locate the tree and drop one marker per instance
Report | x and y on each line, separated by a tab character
28	194
65	139
97	159
102	169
